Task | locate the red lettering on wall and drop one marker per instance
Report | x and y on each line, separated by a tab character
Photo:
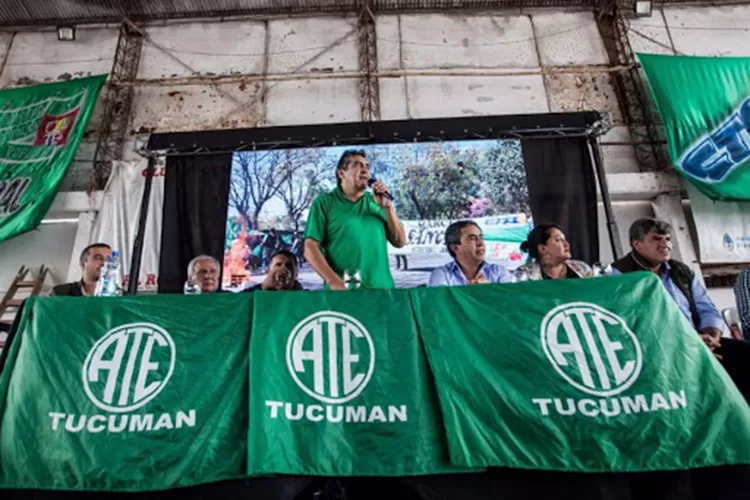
158	172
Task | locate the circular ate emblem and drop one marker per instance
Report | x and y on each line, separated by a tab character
591	348
128	367
330	356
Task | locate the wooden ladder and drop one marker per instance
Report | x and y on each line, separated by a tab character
20	282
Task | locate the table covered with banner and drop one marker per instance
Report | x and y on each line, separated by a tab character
528	384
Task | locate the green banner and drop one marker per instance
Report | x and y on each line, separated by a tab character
149	393
340	382
40	130
705	105
601	375
125	394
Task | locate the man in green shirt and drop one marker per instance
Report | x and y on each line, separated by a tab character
348	229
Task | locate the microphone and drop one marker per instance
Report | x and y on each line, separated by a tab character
372	181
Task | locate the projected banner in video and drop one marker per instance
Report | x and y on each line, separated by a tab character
433	184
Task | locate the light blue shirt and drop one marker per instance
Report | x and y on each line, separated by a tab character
452	275
709	315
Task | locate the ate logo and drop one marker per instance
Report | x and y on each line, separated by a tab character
128	367
591	348
715	155
330	356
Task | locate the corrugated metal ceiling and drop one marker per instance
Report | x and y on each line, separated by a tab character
52	12
16	13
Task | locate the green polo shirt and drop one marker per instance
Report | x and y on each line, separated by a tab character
352	235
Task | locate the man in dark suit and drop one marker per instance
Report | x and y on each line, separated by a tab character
92	260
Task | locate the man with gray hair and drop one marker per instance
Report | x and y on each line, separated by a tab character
651	242
204	270
465	244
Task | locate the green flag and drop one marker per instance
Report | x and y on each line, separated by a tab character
40	130
599	375
125	394
705	105
340	386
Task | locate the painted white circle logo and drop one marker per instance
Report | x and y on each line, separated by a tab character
330	356
128	367
592	348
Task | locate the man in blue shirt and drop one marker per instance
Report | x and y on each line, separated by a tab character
466	245
651	242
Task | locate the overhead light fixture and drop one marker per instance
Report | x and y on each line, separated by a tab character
66	33
643	8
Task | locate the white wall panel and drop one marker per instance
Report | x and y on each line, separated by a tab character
196	107
569	38
467	41
433	97
313	101
50	244
37	56
710	31
318	44
201	48
649	35
389	42
393	105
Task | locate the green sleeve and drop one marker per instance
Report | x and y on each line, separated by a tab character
315	228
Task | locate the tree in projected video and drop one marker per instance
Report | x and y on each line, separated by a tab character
255	180
503	178
436	184
303	172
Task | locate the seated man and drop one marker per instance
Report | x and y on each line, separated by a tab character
92	260
651	244
204	270
282	273
466	245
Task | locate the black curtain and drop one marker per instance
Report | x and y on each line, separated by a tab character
196	189
562	190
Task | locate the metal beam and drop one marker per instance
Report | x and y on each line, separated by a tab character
118	103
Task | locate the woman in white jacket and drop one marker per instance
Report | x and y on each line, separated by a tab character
551	258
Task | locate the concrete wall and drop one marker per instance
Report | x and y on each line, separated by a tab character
517	43
49	244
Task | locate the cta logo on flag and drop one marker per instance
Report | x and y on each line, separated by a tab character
125	370
331	358
595	351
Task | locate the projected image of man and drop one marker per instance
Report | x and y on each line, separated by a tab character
348	228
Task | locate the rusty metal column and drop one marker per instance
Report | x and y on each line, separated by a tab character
632	93
369	88
118	103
